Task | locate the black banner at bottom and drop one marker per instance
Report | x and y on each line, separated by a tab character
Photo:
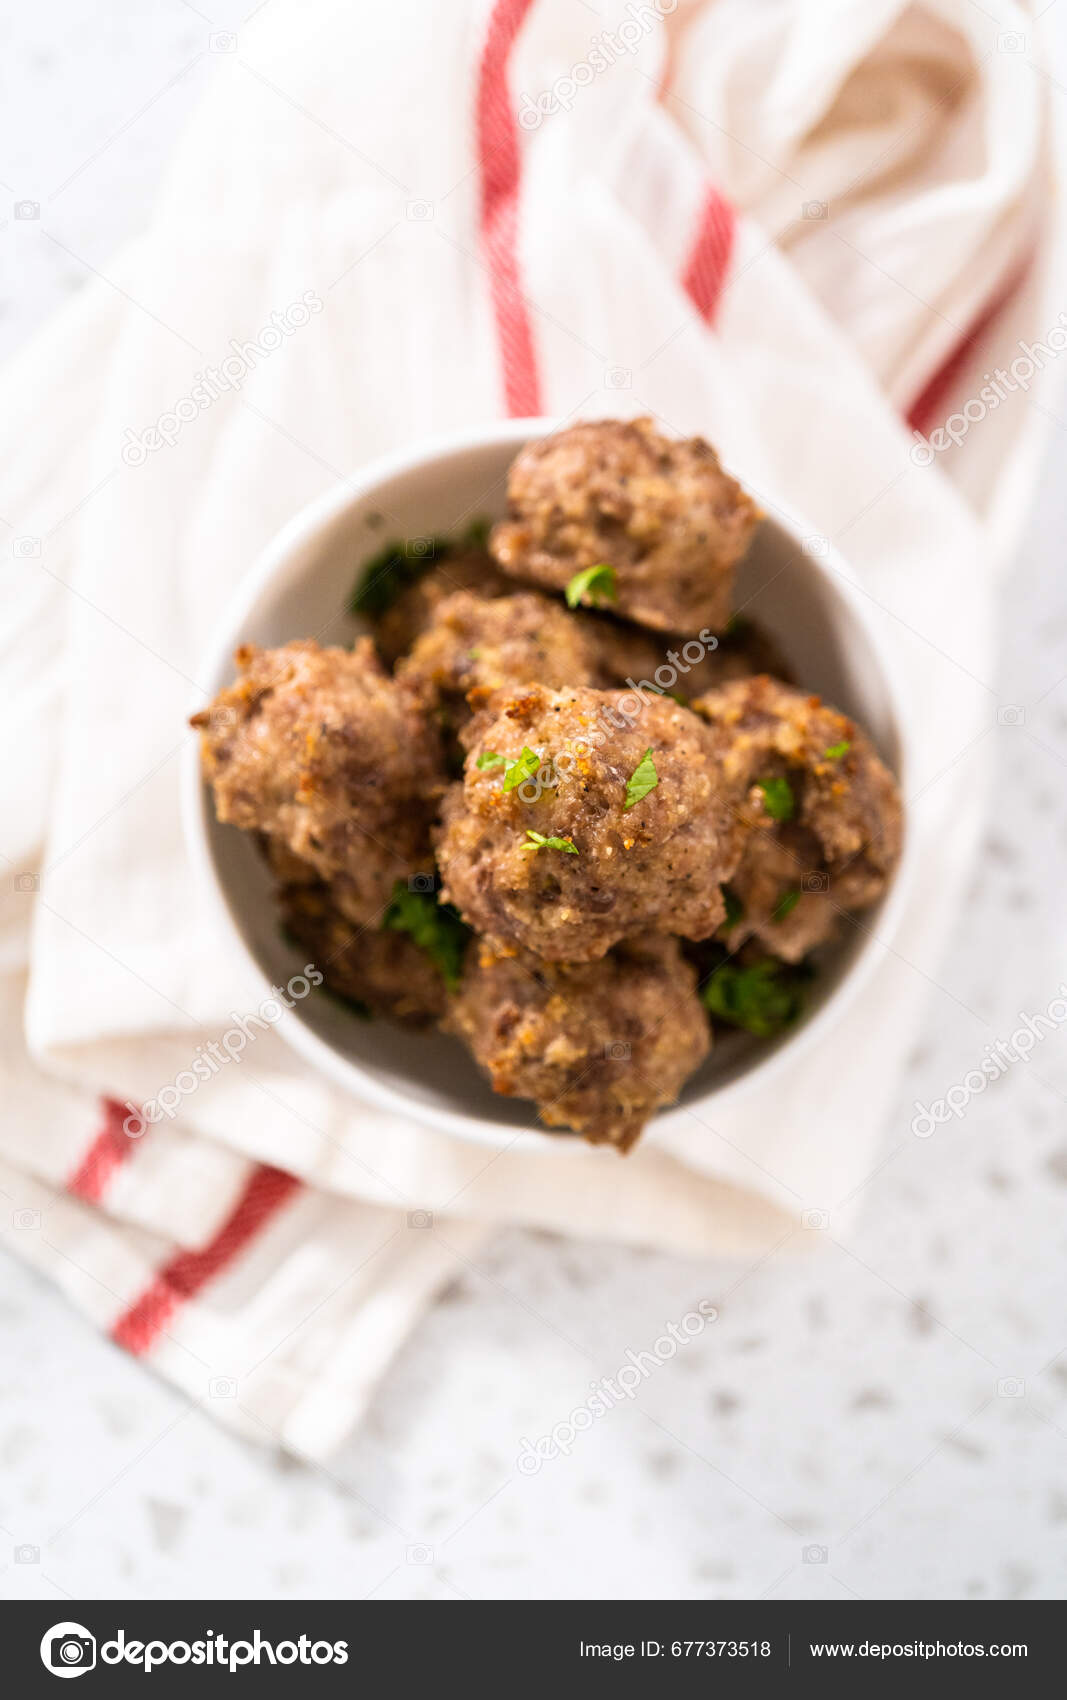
332	1643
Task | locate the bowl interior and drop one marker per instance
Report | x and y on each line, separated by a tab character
301	589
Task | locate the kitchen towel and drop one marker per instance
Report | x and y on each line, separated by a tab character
828	239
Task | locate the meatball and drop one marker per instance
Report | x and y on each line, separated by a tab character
630	655
320	749
576	857
663	514
598	1046
473	645
385	971
826	814
413	610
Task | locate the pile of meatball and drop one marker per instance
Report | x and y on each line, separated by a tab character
561	802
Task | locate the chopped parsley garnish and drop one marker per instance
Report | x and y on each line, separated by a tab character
764	998
490	759
386	574
525	766
398	565
735	909
597	584
642	780
539	842
786	904
778	798
837	750
435	927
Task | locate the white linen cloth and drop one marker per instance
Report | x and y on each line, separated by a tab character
492	204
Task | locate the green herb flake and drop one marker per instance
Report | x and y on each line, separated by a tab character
476	535
539	842
735	909
525	766
386	574
763	998
786	904
778	798
642	780
596	584
435	927
490	759
837	750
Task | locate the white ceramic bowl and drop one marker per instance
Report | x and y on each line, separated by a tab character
300	587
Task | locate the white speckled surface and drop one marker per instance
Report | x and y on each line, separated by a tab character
846	1399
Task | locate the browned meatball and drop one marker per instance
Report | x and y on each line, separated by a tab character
826	813
414	609
323	751
473	645
630	655
598	1046
560	864
386	971
663	514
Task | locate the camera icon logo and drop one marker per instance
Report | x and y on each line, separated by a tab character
421	882
815	881
816	544
27	1554
27	883
1011	714
617	1051
222	1387
420	1218
25	548
618	378
68	1649
817	1219
815	209
1011	42
1010	1387
26	1218
223	41
419	548
419	211
27	209
814	1555
420	1555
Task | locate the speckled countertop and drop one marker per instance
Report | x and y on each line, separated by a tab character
882	1418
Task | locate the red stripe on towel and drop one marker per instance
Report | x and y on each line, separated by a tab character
188	1272
111	1147
928	408
500	164
709	257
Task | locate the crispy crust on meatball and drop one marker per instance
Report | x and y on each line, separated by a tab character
629	655
662	513
320	749
415	608
598	1046
385	970
481	647
656	865
837	847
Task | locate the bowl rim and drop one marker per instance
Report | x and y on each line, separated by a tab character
311	521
